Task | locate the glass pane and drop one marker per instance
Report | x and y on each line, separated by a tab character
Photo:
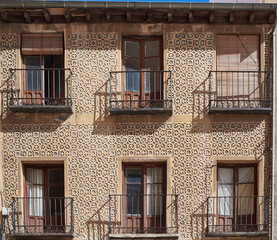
225	199
56	191
154	175
131	49
32	77
246	175
152	48
132	81
132	64
225	175
246	189
133	175
35	201
246	199
152	64
134	199
35	176
56	207
55	176
152	79
155	204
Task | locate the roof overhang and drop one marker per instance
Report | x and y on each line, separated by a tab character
104	11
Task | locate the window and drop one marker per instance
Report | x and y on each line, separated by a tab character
237	198
142	62
144	189
238	66
43	75
44	201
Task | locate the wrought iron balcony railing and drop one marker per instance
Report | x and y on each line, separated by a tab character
42	215
237	215
143	213
239	91
141	92
40	90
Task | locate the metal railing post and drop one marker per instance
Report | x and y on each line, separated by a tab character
11	85
177	213
13	214
207	216
70	86
210	90
110	215
72	214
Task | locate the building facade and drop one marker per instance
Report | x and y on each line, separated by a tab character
136	121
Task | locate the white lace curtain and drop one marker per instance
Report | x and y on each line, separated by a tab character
245	195
35	192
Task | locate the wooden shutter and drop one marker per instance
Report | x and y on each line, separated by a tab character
42	44
237	53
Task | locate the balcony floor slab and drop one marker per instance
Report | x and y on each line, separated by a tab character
144	236
41	109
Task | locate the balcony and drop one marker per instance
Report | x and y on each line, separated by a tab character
40	90
141	215
141	92
237	216
42	217
240	91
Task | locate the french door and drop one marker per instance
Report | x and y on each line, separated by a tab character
43	79
144	196
44	203
142	61
237	198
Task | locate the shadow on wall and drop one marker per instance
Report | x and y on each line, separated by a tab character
98	224
101	103
201	101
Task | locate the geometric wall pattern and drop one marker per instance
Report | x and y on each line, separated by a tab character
92	153
92	150
190	58
91	57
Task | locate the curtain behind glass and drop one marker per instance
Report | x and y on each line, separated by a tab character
35	192
154	191
246	191
225	192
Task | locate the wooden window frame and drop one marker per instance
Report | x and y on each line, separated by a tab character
142	40
143	215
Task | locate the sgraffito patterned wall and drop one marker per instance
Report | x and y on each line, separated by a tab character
92	150
7	61
91	57
190	58
92	153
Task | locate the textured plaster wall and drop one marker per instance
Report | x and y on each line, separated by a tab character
92	142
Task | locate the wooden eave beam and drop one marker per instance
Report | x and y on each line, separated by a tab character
251	17
231	17
4	16
149	17
169	16
47	15
67	15
27	17
190	17
88	16
128	16
212	17
271	18
108	15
